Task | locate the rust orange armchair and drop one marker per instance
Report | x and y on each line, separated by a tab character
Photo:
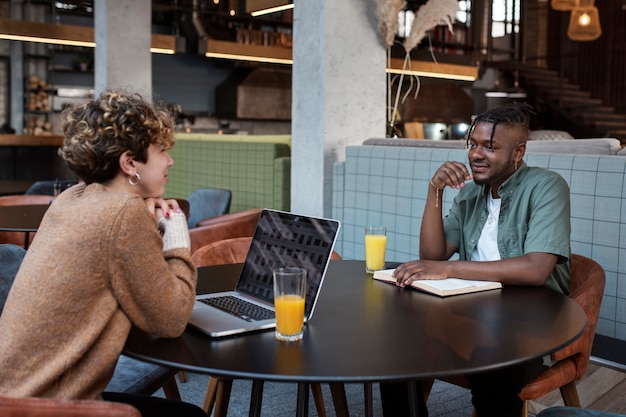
586	288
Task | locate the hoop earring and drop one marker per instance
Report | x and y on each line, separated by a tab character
131	182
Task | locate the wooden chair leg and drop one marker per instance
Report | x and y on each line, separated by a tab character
570	395
181	376
224	387
170	388
338	391
209	397
524	409
217	396
318	398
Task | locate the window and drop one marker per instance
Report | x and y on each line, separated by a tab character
505	17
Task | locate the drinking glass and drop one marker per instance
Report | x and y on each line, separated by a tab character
375	246
289	293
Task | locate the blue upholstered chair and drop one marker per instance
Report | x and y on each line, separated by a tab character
131	376
11	257
574	412
207	202
46	187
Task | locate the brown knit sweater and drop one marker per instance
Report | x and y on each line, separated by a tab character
95	268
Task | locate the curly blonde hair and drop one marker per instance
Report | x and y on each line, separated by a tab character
99	131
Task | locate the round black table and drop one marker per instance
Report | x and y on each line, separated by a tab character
369	331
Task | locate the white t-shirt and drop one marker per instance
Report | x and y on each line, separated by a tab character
487	247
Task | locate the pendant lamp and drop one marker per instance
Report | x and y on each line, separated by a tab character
563	5
584	22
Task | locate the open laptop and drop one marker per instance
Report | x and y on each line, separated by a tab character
280	239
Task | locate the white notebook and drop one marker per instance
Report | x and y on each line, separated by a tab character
442	287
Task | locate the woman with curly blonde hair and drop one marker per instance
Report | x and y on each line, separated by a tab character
110	254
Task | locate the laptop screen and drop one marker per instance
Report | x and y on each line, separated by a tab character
284	239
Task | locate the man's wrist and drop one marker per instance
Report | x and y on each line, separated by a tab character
437	192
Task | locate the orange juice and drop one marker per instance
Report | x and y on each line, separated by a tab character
289	314
375	246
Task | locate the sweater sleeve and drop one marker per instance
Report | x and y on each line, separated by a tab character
155	286
175	231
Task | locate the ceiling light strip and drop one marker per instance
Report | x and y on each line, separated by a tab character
47	40
244	52
272	10
434	70
25	31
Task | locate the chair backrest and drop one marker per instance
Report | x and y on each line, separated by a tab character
46	187
238	224
208	202
11	257
54	407
24	199
17	238
184	206
228	251
587	289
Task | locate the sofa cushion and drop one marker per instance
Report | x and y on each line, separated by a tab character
257	173
598	146
594	146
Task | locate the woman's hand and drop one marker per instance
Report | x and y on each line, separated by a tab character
159	207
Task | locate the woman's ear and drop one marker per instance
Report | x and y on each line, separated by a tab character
127	164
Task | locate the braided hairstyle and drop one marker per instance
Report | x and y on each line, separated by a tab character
510	115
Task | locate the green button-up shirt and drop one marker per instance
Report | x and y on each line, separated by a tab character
534	217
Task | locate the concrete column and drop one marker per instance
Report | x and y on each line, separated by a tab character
123	38
16	73
339	90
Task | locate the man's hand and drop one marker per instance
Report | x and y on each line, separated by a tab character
451	174
411	271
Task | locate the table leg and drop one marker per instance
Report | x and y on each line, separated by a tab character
417	404
369	399
256	398
338	391
26	239
302	406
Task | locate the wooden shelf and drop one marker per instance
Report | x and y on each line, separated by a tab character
30	140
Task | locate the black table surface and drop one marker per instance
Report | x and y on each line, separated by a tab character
366	330
22	218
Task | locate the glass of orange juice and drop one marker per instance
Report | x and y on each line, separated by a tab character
289	292
375	246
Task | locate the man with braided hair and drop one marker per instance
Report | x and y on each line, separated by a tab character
509	223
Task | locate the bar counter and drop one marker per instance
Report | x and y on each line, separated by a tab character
30	157
30	140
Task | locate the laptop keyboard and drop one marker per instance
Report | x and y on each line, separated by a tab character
239	308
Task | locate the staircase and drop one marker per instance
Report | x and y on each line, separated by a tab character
568	106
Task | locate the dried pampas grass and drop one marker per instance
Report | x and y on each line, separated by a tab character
387	15
431	14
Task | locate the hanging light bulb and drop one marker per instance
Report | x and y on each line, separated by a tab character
584	19
584	22
564	5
